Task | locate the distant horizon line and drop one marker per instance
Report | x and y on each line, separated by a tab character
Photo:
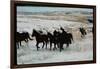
51	9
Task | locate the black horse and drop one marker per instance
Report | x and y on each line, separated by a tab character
40	38
67	35
24	36
83	32
53	38
59	39
70	36
90	20
64	38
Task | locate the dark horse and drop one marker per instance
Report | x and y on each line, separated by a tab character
90	20
83	32
40	38
64	38
22	37
53	38
59	39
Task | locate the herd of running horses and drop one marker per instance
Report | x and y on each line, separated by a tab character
57	38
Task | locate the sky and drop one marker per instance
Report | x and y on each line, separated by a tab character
48	9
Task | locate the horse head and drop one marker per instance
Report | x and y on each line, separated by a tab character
34	33
61	29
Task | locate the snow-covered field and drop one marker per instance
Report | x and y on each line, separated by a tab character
81	49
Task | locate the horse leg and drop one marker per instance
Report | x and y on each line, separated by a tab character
43	44
58	44
55	46
60	47
70	41
67	44
46	44
50	45
20	43
37	45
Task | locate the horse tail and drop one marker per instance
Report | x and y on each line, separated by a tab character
29	37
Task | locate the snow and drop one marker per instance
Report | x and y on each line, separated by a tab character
79	50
